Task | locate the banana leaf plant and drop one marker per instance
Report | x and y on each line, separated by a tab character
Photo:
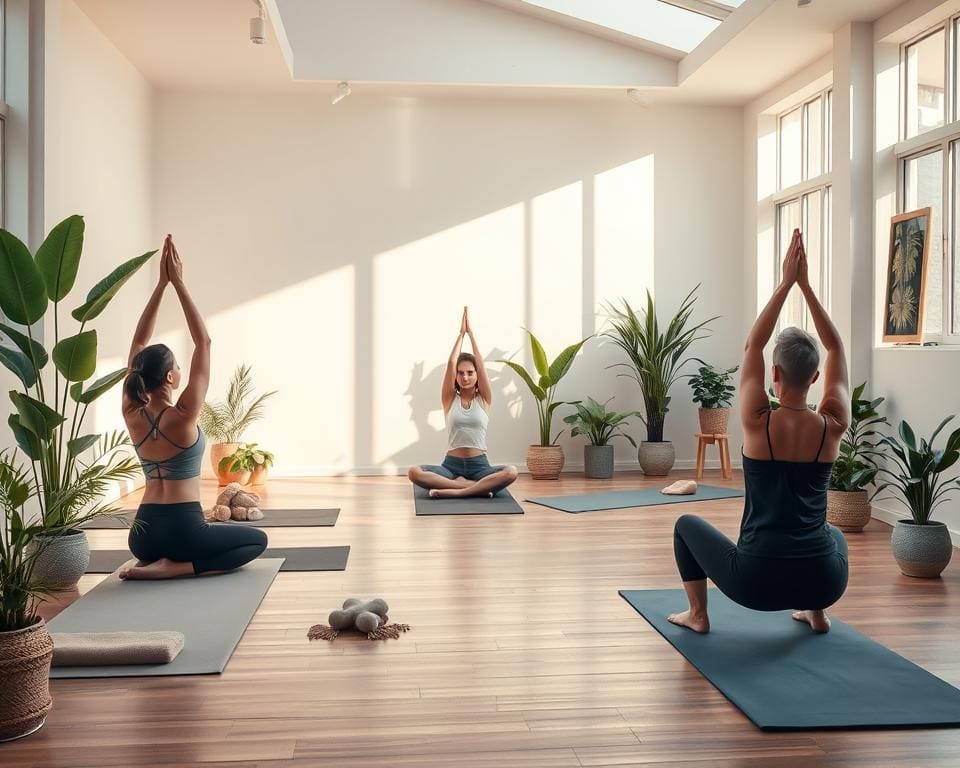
917	469
70	469
544	389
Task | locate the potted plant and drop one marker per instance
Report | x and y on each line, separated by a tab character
656	356
248	459
545	459
848	505
72	471
601	425
920	545
714	392
224	422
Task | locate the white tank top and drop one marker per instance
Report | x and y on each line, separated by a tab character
467	426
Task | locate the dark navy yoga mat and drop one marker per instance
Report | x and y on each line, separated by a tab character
646	497
784	677
272	518
502	503
295	558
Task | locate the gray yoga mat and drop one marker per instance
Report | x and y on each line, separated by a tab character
212	612
645	497
502	503
784	677
272	518
295	558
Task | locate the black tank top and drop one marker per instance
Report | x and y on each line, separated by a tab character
785	509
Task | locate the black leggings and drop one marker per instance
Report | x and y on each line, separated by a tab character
760	583
179	532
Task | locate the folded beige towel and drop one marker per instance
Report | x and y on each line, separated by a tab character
98	649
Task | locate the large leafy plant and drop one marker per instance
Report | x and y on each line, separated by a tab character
855	467
655	354
712	388
246	459
598	423
917	468
544	389
225	422
67	481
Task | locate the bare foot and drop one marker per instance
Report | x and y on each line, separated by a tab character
446	493
817	620
699	623
159	569
463	482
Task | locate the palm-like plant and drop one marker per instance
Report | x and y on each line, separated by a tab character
656	356
225	422
918	468
65	486
855	468
598	423
544	390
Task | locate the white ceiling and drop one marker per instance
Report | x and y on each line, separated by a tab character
204	44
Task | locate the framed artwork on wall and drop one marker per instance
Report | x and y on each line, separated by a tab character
907	276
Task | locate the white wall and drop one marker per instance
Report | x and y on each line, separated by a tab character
333	248
98	164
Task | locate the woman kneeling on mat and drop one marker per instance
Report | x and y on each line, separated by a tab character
787	555
466	395
171	537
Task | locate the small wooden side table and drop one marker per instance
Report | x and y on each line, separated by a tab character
723	445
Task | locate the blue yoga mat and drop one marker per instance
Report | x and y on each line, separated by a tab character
784	677
646	497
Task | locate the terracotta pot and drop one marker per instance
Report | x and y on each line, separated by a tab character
63	559
25	656
656	458
848	510
219	451
545	461
921	550
714	421
259	475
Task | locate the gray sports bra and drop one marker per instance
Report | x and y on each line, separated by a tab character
183	465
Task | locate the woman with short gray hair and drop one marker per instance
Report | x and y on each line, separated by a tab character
786	556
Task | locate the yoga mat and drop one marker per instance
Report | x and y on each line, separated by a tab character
646	497
784	677
272	518
295	558
212	612
502	503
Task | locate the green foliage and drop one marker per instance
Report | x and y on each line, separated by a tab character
855	467
246	459
225	422
601	425
655	355
712	388
544	389
917	467
775	401
66	473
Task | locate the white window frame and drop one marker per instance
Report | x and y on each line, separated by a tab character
936	139
796	192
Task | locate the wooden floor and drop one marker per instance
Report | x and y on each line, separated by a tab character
521	652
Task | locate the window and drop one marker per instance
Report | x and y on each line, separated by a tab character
923	186
804	197
924	64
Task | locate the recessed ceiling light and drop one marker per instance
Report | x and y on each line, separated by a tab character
343	90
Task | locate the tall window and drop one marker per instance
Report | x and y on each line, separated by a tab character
3	111
929	162
803	198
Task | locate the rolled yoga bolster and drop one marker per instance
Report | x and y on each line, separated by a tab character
97	649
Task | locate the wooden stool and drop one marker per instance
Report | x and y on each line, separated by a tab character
723	444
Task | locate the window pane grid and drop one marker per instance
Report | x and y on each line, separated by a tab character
923	177
924	63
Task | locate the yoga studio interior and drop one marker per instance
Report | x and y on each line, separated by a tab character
474	383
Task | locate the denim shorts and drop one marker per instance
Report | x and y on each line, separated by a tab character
472	468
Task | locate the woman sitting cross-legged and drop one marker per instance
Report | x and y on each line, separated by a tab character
466	395
787	556
170	537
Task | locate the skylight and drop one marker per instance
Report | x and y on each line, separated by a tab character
678	24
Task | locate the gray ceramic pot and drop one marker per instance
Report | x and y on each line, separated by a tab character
63	561
598	461
656	458
921	550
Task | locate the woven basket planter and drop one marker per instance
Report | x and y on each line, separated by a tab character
848	510
656	458
545	461
921	550
714	421
63	561
25	656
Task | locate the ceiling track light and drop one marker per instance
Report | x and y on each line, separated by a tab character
343	90
802	3
258	25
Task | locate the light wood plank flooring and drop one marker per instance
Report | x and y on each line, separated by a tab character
521	652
